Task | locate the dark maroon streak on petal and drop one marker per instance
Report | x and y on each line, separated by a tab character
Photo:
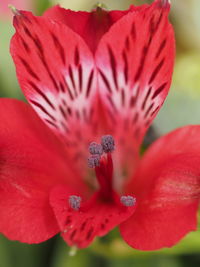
91	26
56	75
32	161
80	227
135	74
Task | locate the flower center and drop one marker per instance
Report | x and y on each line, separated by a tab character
101	161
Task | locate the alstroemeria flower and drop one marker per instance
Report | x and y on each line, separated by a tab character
96	81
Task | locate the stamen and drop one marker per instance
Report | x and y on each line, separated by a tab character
94	161
128	201
75	202
95	149
108	143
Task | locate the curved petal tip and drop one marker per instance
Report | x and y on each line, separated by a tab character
163	3
14	10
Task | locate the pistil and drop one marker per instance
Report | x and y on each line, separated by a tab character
101	161
104	174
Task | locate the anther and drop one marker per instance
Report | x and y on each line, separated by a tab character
95	149
75	202
128	201
94	161
108	143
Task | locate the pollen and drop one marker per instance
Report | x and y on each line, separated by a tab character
95	149
94	161
128	201
75	202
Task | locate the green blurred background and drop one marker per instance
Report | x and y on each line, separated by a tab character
181	107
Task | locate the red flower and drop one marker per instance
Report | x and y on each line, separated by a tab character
96	80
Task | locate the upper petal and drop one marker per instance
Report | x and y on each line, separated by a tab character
32	160
167	187
55	70
135	62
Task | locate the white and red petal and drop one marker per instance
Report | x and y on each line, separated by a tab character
64	94
167	188
55	70
94	218
135	63
32	160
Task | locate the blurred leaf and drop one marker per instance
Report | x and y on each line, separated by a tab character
89	4
144	262
187	74
182	104
119	249
41	6
61	257
15	254
4	254
8	82
187	23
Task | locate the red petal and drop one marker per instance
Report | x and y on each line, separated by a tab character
95	218
91	26
55	70
135	60
32	160
152	229
167	187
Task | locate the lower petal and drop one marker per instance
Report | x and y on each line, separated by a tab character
94	218
26	217
157	227
167	187
32	160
